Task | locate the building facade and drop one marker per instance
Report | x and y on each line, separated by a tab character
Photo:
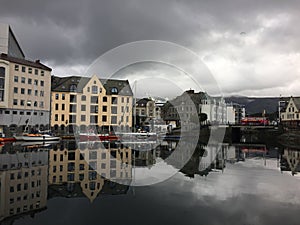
23	183
24	89
90	164
84	103
186	108
144	112
290	113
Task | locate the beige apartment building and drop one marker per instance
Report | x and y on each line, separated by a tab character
90	164
25	87
85	103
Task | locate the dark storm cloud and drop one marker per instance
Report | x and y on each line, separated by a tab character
69	35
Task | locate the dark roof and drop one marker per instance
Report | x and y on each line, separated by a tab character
63	84
297	102
25	62
122	86
143	102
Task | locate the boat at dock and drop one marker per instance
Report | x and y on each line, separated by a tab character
36	137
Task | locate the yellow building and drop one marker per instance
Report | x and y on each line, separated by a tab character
90	164
24	87
85	102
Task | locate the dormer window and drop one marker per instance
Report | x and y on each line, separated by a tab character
114	90
73	88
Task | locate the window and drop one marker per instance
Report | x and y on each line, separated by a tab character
29	103
29	70
15	101
114	120
16	79
83	98
104	99
72	108
128	100
56	96
104	108
41	93
36	93
29	81
22	103
16	67
104	118
63	96
36	71
29	91
23	80
73	88
42	73
42	83
62	117
35	104
82	118
36	82
93	119
114	100
83	108
94	90
73	98
63	107
41	104
72	118
94	99
114	110
122	99
56	106
94	109
114	90
15	90
23	69
56	117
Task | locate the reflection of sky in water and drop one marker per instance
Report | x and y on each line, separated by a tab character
245	193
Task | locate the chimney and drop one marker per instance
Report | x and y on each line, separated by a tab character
37	61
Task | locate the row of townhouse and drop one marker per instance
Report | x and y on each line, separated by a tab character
31	97
184	109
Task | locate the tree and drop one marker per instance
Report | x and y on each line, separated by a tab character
202	117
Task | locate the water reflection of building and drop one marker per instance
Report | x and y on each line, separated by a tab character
23	183
290	160
191	159
90	165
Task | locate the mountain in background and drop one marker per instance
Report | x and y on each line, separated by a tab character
256	105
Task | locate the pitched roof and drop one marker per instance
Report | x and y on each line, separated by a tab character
297	102
63	84
122	87
25	62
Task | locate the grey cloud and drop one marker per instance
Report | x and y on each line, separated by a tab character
73	33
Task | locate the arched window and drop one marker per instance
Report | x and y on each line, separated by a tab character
114	90
73	88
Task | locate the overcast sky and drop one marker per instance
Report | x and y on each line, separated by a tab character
251	47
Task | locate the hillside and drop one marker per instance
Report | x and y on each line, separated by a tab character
256	105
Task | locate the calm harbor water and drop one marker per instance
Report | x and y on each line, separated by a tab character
96	183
